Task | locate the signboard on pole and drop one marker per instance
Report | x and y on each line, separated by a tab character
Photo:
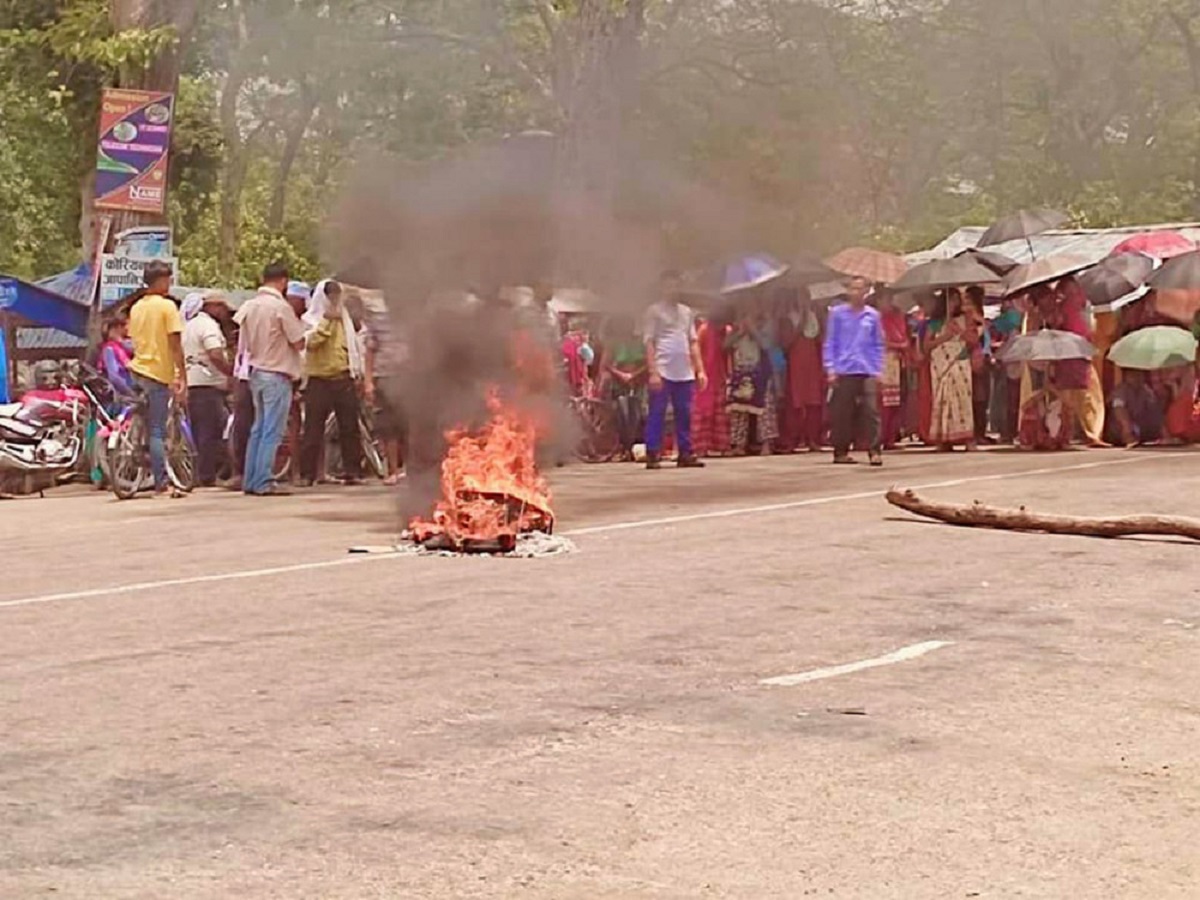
120	276
135	139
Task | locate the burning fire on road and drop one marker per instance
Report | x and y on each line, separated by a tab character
492	491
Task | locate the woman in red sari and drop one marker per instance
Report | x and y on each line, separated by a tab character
935	315
895	365
801	334
710	420
1183	412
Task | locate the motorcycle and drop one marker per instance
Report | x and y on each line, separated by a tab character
45	432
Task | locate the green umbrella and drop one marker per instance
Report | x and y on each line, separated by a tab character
1160	347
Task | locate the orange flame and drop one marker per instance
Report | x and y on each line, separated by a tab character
491	487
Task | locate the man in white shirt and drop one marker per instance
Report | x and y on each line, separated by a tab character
208	369
675	368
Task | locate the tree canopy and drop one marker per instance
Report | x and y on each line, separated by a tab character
801	124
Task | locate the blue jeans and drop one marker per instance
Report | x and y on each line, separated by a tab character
158	409
272	393
679	395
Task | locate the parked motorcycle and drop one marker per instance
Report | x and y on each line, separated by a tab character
45	432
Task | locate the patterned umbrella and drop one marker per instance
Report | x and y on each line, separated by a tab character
1022	226
1162	245
750	271
873	265
1160	347
1047	345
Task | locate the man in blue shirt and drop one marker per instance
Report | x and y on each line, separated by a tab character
853	364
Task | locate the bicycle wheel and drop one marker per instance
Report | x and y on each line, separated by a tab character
181	452
373	456
599	440
129	461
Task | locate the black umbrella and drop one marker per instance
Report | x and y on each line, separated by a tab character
1179	274
807	270
944	273
997	262
1023	225
1116	277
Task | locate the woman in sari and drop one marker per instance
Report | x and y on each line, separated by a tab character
1076	379
710	419
895	363
1183	413
923	416
949	349
804	396
749	382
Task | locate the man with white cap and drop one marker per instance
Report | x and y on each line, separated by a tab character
208	376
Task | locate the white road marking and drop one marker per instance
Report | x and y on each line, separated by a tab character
142	586
841	498
902	655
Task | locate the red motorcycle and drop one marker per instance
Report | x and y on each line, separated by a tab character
45	432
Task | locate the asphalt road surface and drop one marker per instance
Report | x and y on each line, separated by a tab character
207	698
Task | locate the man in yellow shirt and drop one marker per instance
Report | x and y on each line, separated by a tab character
158	366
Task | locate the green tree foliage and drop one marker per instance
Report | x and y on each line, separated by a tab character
793	124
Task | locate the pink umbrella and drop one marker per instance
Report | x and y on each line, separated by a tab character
1159	244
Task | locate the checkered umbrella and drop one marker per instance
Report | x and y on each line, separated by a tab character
874	265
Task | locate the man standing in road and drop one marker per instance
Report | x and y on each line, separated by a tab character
158	366
675	369
272	337
334	365
853	362
208	371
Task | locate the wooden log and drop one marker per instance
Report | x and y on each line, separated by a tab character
976	515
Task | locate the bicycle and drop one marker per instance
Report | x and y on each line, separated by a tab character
599	438
129	460
373	457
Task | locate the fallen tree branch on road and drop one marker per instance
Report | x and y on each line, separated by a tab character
976	515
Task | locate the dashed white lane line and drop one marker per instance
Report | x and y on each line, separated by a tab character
902	655
142	586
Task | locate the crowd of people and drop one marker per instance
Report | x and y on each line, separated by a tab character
769	370
238	373
773	371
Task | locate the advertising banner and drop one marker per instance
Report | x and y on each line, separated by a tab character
135	139
120	276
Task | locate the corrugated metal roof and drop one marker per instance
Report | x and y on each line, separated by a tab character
34	339
74	285
1095	242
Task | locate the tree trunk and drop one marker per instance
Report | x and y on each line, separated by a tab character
233	174
596	68
161	75
291	149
